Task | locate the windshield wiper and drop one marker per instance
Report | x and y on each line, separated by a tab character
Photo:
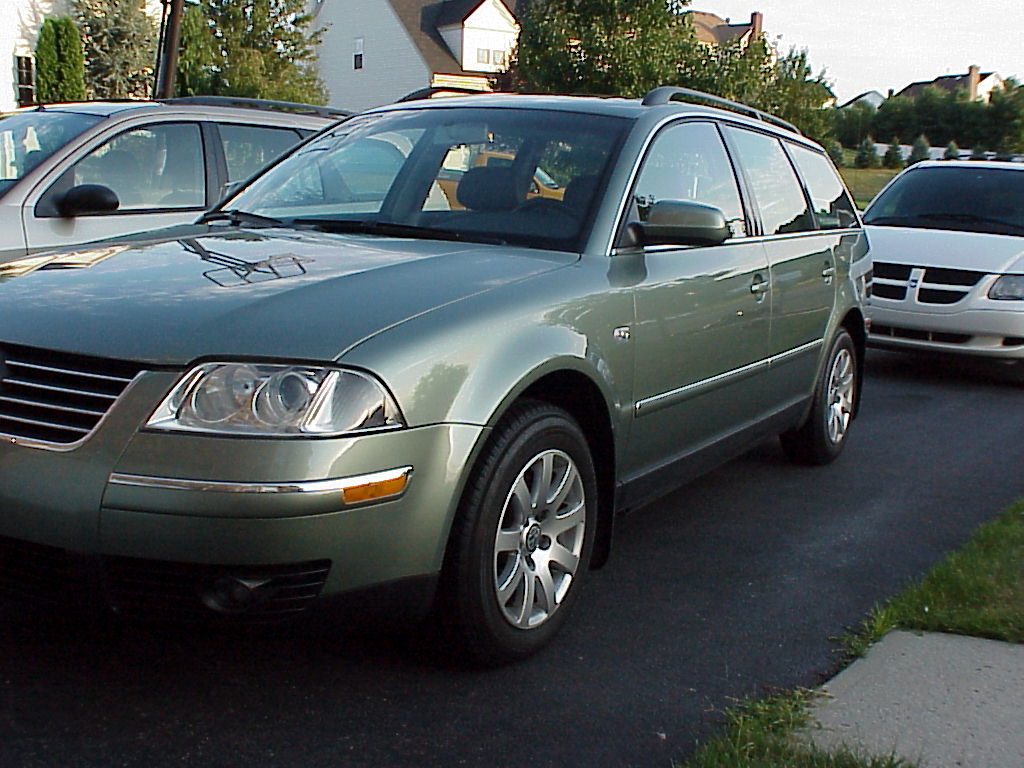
391	229
237	218
968	218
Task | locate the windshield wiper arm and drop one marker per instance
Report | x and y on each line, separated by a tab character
237	217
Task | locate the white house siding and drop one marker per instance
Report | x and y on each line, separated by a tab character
491	28
20	21
392	65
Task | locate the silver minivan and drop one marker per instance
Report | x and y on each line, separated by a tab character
77	172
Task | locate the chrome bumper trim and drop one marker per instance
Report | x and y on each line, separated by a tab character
337	485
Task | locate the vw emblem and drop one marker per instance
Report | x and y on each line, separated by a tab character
913	282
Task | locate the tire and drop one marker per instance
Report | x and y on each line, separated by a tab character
820	439
514	566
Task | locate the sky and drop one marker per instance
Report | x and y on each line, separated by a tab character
875	45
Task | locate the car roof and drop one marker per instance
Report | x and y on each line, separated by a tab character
215	106
596	105
999	165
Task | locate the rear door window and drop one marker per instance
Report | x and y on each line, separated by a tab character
247	148
777	192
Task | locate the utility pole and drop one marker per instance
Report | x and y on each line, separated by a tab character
170	34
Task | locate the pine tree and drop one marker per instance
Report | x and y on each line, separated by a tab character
120	47
893	157
257	48
952	152
919	151
867	155
978	153
60	65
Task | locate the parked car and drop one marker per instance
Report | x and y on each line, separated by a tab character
947	242
340	381
160	163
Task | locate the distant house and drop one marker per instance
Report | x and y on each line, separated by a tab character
376	51
978	85
872	98
714	30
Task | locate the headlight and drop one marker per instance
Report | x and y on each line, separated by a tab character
1008	288
275	401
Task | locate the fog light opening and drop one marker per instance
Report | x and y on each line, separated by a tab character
233	594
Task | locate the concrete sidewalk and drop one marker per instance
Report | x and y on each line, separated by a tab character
943	700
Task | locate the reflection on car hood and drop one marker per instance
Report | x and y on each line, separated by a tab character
943	248
272	293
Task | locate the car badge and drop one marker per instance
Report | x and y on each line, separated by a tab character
913	282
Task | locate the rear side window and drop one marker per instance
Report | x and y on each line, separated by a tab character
832	204
247	148
777	192
688	162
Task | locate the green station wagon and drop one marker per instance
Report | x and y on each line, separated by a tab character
391	367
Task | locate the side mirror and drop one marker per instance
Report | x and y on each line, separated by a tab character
87	198
680	222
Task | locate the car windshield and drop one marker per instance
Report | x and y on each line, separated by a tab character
28	138
498	175
980	199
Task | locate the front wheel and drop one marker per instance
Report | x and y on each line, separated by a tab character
822	436
523	538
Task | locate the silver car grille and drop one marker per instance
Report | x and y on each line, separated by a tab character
937	285
53	397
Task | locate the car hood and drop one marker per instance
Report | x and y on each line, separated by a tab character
975	251
268	293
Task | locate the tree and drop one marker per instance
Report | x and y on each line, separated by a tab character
607	47
893	157
835	151
920	150
60	64
851	124
867	154
952	152
120	47
258	48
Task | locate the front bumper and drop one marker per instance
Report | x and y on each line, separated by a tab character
993	332
62	504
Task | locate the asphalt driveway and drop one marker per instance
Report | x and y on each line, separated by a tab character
736	584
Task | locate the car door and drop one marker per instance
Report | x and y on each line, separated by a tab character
801	258
247	149
702	316
157	170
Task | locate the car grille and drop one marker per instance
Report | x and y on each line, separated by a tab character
180	591
938	284
151	588
55	397
877	329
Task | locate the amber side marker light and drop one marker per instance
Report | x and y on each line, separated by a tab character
381	485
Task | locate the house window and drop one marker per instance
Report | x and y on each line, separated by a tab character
357	56
498	57
483	56
26	81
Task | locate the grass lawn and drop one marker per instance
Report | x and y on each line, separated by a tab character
865	183
978	590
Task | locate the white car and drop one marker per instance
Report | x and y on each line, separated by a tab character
947	241
72	173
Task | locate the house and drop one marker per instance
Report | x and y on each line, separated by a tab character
872	99
979	85
18	44
376	51
714	30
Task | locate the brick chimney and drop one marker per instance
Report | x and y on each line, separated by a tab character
973	78
756	23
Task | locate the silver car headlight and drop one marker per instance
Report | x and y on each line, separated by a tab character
275	401
1008	288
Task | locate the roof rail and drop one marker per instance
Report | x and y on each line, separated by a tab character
278	106
440	90
668	93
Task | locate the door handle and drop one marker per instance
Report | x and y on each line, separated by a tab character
759	286
828	272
